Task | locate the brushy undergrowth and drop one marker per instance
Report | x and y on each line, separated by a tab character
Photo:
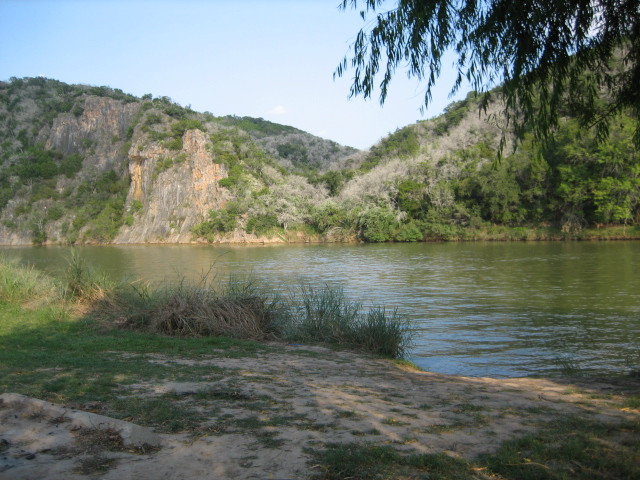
242	308
234	309
571	448
239	308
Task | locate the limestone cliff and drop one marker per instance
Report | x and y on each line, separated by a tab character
102	123
169	201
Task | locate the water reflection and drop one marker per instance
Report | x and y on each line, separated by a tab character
496	309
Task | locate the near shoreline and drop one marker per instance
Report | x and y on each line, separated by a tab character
309	412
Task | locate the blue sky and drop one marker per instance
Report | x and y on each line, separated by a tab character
272	59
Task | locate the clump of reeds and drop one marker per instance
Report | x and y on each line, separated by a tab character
235	309
325	315
82	283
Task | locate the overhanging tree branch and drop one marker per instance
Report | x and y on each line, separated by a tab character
582	55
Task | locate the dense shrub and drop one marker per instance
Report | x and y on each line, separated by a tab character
261	224
37	162
403	143
70	165
329	215
409	232
220	221
378	225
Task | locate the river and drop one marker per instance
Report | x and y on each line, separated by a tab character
478	309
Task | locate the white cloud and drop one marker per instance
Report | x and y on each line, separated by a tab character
279	110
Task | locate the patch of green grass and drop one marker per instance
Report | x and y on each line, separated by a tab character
631	401
356	461
571	448
20	283
95	465
164	413
370	462
229	394
440	466
51	354
567	449
348	414
467	407
442	427
267	439
394	423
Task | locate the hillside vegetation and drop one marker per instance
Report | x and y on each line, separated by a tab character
92	164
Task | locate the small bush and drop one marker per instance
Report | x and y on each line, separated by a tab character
71	165
261	224
220	221
174	144
136	206
409	232
378	225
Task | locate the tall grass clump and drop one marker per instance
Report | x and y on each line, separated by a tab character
237	308
382	333
82	283
19	283
319	315
325	315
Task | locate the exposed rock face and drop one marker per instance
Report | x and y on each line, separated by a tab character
103	122
173	198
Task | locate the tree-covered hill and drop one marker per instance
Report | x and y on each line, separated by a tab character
81	164
448	181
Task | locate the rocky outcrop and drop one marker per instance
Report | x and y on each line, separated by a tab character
96	133
171	191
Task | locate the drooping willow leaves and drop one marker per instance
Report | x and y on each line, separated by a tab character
550	58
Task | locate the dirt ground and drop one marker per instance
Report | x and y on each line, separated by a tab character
266	416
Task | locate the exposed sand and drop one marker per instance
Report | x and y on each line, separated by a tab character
277	406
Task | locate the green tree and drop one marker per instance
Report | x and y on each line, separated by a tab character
540	51
220	221
594	182
410	197
378	225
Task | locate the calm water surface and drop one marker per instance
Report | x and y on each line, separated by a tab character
479	309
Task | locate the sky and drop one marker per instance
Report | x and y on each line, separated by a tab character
272	59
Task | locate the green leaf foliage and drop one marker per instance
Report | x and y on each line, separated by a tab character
378	225
575	48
